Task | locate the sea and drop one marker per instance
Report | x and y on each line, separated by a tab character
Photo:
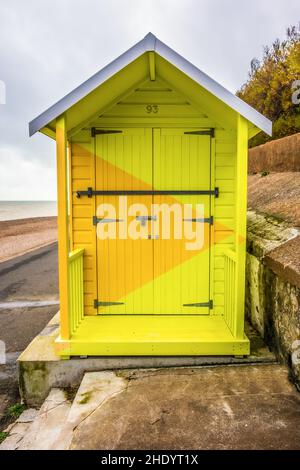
13	210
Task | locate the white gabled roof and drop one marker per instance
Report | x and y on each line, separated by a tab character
151	43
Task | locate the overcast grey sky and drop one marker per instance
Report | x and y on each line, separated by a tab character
47	47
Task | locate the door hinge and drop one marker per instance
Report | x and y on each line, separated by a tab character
210	132
208	220
209	304
98	303
104	221
95	131
89	193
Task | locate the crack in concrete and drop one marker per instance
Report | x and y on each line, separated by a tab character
109	397
53	408
162	372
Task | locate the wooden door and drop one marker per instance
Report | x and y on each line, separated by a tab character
125	264
181	266
158	270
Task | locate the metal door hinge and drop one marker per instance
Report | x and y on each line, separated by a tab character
98	303
208	220
104	221
210	132
95	131
89	193
209	304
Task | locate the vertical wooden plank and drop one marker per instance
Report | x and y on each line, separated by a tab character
152	65
225	289
77	288
232	294
63	229
241	223
157	254
76	291
212	227
71	297
70	193
81	289
93	203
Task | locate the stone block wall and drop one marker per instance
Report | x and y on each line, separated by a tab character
273	287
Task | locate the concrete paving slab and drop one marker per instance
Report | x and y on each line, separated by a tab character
94	390
11	442
236	407
47	425
18	429
27	416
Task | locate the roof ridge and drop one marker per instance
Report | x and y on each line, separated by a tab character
151	43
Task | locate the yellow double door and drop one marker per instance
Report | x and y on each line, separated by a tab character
153	222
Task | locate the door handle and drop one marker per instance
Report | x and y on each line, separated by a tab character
144	218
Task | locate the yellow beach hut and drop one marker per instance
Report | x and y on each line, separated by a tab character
152	187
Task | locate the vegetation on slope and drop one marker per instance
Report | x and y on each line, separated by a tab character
272	84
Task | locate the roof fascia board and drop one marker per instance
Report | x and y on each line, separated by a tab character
213	87
85	88
94	116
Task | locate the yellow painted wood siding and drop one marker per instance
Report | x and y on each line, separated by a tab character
82	177
241	222
76	304
153	104
230	284
224	211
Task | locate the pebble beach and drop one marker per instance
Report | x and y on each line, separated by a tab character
23	235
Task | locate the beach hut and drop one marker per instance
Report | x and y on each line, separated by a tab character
152	189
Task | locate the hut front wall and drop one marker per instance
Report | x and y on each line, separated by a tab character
137	110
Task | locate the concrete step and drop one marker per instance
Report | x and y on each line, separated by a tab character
94	390
46	427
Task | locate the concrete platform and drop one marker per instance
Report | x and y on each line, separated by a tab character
226	407
237	407
40	369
